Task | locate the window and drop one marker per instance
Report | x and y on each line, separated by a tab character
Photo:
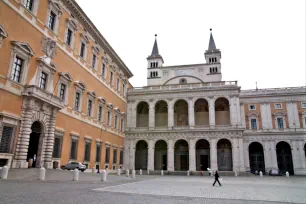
82	51
77	101
87	151
252	107
100	113
111	78
103	70
183	81
62	91
118	84
253	123
6	139
114	156
278	106
98	153
89	107
43	80
116	122
28	4
280	123
121	125
121	156
57	148
93	63
123	89
108	118
69	37
303	104
17	69
73	150
107	155
51	21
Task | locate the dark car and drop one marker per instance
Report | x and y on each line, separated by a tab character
73	166
274	172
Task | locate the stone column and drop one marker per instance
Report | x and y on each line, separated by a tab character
267	155
23	140
290	114
134	114
246	156
238	114
170	154
151	155
232	111
242	115
212	113
151	116
273	155
170	115
213	154
295	156
302	155
49	141
192	159
296	115
241	155
132	155
126	154
235	154
191	113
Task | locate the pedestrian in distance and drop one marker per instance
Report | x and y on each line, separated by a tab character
217	179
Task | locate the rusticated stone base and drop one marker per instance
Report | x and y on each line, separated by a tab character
20	164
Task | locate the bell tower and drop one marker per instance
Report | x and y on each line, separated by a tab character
155	59
213	56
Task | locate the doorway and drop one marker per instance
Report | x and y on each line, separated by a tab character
34	144
284	158
184	162
165	162
204	162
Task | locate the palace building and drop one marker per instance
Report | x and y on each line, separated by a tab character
188	119
63	89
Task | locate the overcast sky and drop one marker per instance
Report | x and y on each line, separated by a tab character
260	40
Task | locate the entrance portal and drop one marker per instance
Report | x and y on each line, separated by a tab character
202	155
256	156
284	158
34	144
141	155
181	156
160	156
224	154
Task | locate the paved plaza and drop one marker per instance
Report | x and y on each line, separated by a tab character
58	188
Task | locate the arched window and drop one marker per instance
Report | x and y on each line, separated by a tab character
183	81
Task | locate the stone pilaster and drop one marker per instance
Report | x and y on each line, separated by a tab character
235	154
151	155
49	141
132	155
267	155
170	156
302	155
126	155
191	113
241	155
246	156
151	116
295	156
134	115
242	115
192	159
213	154
233	112
170	115
273	155
212	120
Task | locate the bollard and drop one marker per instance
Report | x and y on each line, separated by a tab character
93	170
148	172
42	173
287	174
127	173
118	172
75	175
4	172
260	174
188	173
211	173
236	173
133	174
140	172
162	172
103	175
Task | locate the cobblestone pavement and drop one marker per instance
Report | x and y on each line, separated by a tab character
24	187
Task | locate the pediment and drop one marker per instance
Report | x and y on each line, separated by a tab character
56	5
92	93
96	49
24	47
66	76
279	114
253	115
72	23
3	32
80	84
101	100
110	105
117	110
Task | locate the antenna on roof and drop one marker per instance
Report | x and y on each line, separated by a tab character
256	86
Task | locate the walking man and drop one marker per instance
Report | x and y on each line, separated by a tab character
217	178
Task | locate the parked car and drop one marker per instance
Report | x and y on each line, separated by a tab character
73	166
274	172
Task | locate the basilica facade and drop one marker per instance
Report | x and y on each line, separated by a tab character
188	119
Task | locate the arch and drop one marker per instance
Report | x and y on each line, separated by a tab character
141	155
142	114
224	155
222	111
180	113
161	114
202	155
184	76
160	155
284	157
201	112
181	155
35	144
256	157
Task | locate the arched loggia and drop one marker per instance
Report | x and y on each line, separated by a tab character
201	112
256	157
181	156
224	155
142	118
141	155
160	155
202	155
222	112
284	157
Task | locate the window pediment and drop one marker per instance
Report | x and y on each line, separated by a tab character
72	23
110	105
102	100
42	63
106	59
85	37
253	115
123	114
55	5
92	94
24	47
3	33
117	110
80	85
96	49
279	114
303	113
66	76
